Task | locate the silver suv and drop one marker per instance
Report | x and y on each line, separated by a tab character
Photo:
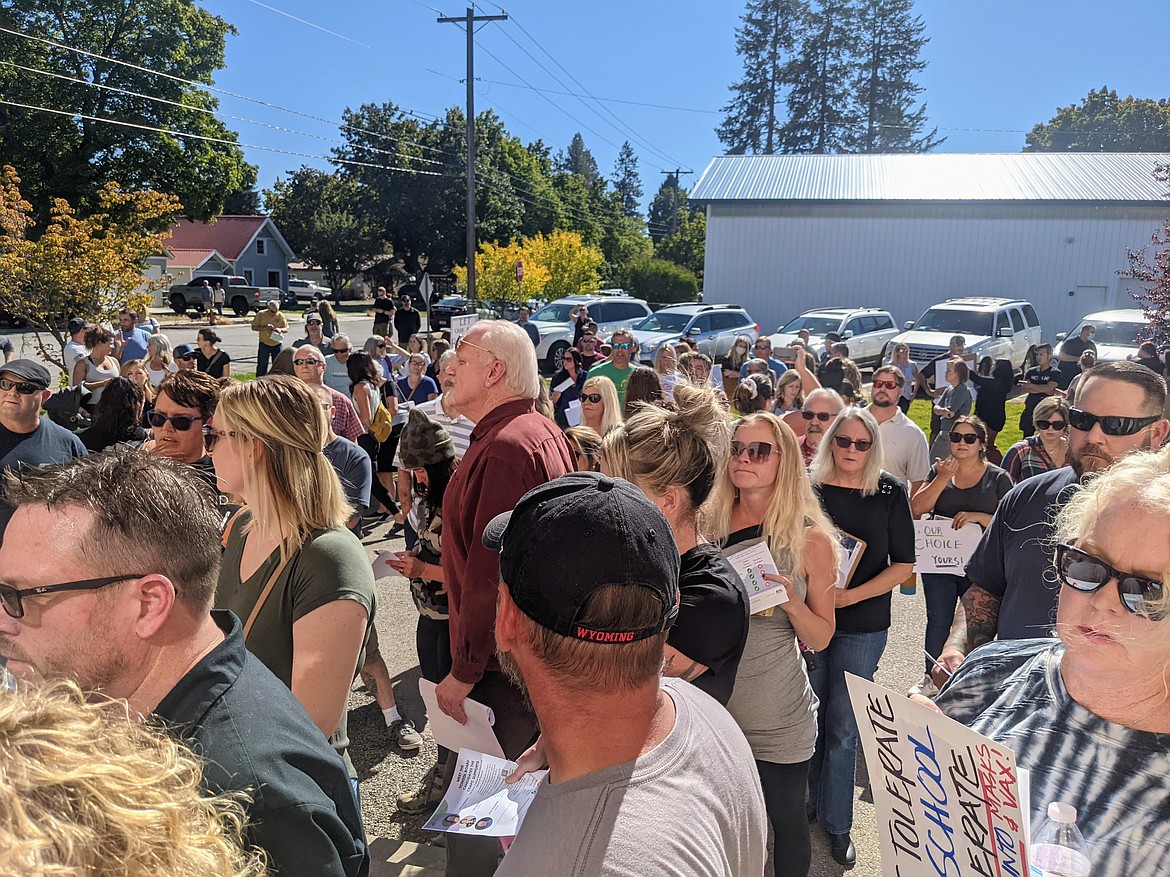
713	327
1002	328
609	312
867	331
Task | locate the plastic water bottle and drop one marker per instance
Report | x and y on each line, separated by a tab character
1059	849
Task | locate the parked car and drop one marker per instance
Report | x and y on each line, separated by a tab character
308	290
867	331
1002	328
714	327
441	313
241	297
610	309
1118	332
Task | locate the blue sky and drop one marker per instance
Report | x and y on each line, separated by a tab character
995	68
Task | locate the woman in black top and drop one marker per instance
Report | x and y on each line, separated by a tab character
967	489
872	512
995	380
566	385
118	417
210	358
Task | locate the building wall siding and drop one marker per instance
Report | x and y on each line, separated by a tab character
778	260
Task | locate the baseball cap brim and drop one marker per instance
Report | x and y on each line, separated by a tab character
493	533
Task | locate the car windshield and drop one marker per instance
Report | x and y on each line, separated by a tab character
664	322
1120	333
956	321
452	303
819	326
557	312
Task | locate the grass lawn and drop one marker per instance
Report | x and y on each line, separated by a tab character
920	414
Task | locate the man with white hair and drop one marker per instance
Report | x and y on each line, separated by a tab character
820	408
513	449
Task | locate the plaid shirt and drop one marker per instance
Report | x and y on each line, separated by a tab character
345	417
1027	458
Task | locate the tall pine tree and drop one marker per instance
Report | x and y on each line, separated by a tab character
765	42
889	50
626	180
580	161
822	115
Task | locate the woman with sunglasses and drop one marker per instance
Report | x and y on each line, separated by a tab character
566	385
1087	713
764	495
95	370
600	409
292	569
966	488
871	511
1047	449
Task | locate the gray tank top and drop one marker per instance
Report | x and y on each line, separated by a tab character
773	702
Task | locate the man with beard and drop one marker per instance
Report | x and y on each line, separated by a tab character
820	407
1012	596
904	451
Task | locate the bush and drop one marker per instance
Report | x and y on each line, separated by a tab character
658	280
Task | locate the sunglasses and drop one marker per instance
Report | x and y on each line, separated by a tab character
186	357
964	437
1083	421
181	422
588	340
622	345
1051	424
757	452
24	388
843	441
822	416
885	385
13	598
337	350
380	346
309	361
594	398
211	436
1088	574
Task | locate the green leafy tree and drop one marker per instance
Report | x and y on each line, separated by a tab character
663	282
889	47
822	113
72	157
1103	122
688	245
626	180
244	201
765	42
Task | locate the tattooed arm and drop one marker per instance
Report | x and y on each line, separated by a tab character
678	664
976	623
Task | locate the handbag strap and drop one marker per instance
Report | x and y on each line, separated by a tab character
263	598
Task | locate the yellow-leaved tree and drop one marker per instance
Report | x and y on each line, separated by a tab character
78	266
554	266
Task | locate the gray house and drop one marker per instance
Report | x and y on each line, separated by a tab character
251	246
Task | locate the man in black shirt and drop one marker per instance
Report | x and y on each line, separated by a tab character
131	616
1070	353
1039	381
407	321
383	312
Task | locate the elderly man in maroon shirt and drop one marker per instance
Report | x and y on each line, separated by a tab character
513	449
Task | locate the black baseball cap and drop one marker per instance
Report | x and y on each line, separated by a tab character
182	351
28	370
576	534
75	325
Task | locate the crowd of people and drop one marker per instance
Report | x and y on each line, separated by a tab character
186	573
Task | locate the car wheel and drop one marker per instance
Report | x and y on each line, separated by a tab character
240	306
179	303
555	354
882	356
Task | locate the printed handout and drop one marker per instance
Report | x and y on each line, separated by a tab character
479	802
752	563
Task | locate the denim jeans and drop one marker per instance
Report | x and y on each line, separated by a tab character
834	765
942	593
265	353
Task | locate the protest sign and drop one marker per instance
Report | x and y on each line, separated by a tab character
479	802
940	548
948	801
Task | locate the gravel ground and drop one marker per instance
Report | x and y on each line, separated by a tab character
385	771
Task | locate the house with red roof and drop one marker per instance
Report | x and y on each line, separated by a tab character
250	246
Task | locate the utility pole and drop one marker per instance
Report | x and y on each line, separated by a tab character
672	176
469	21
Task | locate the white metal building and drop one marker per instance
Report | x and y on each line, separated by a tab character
786	233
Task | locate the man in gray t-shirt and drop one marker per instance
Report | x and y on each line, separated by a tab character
671	787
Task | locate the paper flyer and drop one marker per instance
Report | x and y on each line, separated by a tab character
479	802
477	735
573	413
940	548
948	800
563	385
751	564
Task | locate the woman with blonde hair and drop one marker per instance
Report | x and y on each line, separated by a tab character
586	445
135	370
666	367
764	496
160	360
328	318
87	789
789	393
600	409
871	511
292	569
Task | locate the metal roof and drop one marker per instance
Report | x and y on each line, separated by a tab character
1021	176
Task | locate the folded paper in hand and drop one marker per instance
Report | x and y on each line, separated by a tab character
477	734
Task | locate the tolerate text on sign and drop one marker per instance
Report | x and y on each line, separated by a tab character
948	800
940	548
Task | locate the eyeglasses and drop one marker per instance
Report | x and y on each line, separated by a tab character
822	416
463	340
13	598
965	437
310	361
763	346
211	436
1051	424
594	398
843	441
24	388
181	422
885	385
1087	574
1083	421
622	345
757	452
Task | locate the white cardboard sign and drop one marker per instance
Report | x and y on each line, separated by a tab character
940	548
